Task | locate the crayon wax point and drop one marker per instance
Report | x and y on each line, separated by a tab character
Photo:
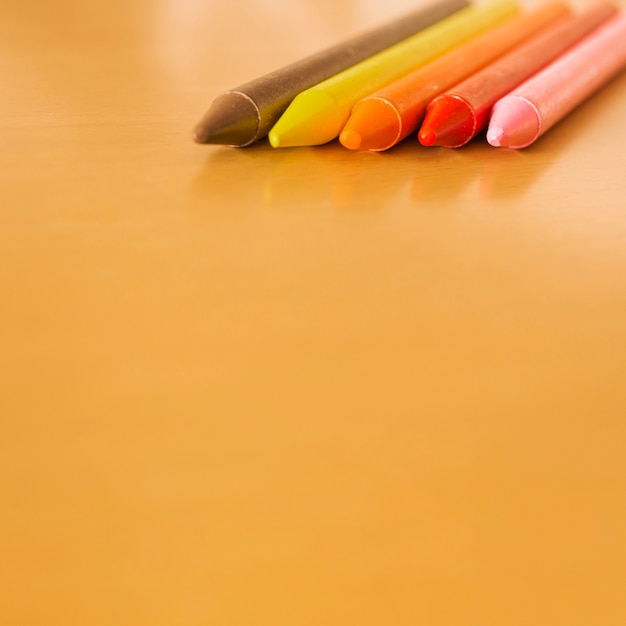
350	139
427	136
449	122
274	139
311	119
496	136
514	123
376	122
233	119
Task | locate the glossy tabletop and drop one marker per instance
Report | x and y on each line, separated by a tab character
299	386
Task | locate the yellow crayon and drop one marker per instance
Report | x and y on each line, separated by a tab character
318	114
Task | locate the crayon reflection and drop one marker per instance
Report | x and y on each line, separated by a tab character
441	175
332	177
300	178
475	172
507	173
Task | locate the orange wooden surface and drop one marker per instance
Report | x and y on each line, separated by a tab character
304	386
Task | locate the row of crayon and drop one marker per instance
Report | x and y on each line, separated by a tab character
445	73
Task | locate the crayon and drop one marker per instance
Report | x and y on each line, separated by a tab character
381	120
459	114
522	116
243	115
317	115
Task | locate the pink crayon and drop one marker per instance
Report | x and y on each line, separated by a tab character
524	114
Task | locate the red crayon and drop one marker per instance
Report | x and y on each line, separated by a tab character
457	116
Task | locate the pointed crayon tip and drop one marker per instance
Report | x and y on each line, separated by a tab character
376	122
232	120
496	136
274	139
350	139
515	123
427	136
313	118
449	122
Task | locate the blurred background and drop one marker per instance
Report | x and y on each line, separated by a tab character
306	386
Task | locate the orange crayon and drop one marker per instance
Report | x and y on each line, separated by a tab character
458	114
382	119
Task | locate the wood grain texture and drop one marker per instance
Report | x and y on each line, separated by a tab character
305	386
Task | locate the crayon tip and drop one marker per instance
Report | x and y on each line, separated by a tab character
515	123
376	121
274	139
496	136
313	118
232	120
427	136
350	139
449	122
